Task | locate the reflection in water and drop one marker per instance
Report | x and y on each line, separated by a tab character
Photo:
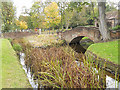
78	48
81	46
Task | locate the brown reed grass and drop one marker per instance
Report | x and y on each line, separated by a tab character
57	68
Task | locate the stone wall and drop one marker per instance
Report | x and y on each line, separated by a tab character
115	34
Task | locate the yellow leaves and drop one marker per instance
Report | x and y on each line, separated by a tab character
52	14
17	22
21	24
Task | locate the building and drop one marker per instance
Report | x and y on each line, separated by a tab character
112	17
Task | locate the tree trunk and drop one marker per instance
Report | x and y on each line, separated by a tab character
67	25
103	24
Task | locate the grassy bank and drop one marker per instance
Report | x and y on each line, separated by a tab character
13	76
107	50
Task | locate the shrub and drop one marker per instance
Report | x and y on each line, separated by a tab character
17	47
10	40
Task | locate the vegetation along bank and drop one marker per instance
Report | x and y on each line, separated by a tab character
107	52
13	76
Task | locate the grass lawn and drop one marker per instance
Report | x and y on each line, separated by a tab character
107	50
13	76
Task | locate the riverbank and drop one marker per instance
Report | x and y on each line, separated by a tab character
13	76
106	52
52	66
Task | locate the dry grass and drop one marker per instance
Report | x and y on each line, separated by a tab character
57	68
44	40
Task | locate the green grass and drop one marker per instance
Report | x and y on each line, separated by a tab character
107	50
85	38
13	76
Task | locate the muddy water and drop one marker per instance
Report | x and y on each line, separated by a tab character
110	77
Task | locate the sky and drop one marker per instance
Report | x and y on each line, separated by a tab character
28	4
20	3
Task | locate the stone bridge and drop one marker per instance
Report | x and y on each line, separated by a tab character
76	34
93	33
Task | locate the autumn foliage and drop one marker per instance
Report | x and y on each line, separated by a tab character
21	24
52	17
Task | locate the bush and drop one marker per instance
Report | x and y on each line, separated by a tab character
17	47
10	40
116	27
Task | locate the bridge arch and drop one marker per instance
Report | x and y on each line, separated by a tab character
76	34
76	40
79	44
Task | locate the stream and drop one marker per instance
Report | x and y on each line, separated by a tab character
110	78
27	71
110	81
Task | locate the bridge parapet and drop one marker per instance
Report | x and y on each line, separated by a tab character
76	34
71	36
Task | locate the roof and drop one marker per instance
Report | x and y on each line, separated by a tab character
112	15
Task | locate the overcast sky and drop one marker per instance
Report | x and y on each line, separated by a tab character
28	3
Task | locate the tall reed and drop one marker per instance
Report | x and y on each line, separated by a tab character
57	68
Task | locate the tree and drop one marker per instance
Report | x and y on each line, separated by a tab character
8	15
37	15
76	6
102	24
27	19
52	17
73	15
79	18
62	6
21	24
110	7
68	17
